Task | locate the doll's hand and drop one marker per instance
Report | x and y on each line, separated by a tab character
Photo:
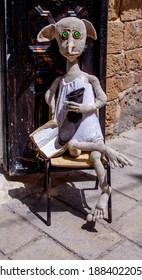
78	108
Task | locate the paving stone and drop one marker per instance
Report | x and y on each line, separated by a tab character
125	250
3	257
85	243
71	230
127	146
130	225
15	231
43	249
81	197
128	180
133	134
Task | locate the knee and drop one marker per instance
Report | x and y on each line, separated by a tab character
95	156
75	152
72	144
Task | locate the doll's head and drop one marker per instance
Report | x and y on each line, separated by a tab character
70	33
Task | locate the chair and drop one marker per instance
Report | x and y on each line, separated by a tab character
64	163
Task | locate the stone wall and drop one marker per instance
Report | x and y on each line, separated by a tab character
124	66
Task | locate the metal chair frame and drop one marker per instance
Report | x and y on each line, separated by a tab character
49	169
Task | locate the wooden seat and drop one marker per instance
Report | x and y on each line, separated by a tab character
68	161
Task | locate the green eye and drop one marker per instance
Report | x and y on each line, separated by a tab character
64	35
76	35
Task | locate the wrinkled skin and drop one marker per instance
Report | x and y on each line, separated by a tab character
71	34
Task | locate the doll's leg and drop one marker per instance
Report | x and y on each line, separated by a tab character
116	158
98	211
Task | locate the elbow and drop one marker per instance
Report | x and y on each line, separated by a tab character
104	99
47	94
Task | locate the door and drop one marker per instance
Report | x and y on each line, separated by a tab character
29	69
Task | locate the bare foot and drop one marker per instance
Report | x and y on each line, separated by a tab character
98	212
117	159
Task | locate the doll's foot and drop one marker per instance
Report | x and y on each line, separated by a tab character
117	159
98	212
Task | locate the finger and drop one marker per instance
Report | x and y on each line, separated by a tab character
115	163
70	103
72	110
94	219
96	214
130	162
92	210
101	214
121	160
73	107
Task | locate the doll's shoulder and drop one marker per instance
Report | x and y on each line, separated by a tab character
90	78
58	79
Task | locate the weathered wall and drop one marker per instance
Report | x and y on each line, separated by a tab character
124	65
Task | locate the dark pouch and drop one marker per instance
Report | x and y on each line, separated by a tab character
73	119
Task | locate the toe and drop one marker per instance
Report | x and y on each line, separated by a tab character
96	214
89	217
92	211
101	214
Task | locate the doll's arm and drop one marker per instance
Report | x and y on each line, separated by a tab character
50	95
101	98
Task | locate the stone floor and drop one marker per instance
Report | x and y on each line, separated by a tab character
25	236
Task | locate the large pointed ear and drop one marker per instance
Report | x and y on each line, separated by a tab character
91	32
46	34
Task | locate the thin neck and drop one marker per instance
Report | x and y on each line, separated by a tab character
73	69
72	66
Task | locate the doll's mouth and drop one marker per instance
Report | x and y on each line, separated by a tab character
72	53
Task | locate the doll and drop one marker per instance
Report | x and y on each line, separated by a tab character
80	95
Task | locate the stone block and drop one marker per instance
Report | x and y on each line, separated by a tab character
131	111
134	60
3	257
113	9
72	232
115	37
125	250
138	78
116	64
127	145
130	10
111	88
43	248
132	232
112	115
124	180
15	231
111	112
132	35
125	81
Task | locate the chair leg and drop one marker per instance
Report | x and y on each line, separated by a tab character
109	210
45	176
97	183
49	198
48	211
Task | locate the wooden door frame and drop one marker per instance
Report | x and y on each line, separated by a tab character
101	73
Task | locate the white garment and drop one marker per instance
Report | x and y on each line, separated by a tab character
89	129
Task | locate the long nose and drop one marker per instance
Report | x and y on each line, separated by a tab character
70	44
